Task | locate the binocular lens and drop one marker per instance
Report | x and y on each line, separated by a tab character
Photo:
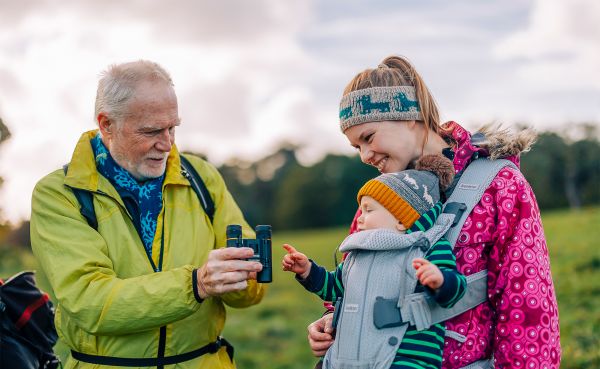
234	231
263	231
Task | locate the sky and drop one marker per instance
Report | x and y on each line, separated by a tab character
251	75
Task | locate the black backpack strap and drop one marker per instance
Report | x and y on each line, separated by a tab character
188	171
86	203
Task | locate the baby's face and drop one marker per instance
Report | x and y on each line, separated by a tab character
374	215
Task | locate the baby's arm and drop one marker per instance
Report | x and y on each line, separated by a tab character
428	274
295	262
439	273
316	279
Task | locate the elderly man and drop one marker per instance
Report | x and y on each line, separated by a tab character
147	283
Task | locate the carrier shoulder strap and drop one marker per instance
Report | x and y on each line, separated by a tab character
419	308
475	179
86	201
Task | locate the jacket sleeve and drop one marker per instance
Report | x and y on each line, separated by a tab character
520	284
75	259
228	212
327	285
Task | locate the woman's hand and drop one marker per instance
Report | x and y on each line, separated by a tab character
296	262
320	335
428	274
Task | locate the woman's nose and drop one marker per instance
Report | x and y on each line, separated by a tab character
366	155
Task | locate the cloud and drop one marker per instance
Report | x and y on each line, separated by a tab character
558	50
250	75
227	59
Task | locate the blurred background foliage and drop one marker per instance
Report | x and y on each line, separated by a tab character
312	206
563	168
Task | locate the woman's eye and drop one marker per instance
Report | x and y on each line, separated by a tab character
369	138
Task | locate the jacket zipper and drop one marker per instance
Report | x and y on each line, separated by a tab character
162	338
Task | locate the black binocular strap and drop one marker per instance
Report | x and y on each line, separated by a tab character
211	348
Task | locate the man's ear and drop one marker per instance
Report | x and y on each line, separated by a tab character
106	125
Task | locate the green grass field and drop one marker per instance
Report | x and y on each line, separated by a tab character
273	334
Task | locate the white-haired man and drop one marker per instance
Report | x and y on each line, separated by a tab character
145	282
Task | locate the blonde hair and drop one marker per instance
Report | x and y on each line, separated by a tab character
398	71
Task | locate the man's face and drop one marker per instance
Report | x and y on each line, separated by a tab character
141	142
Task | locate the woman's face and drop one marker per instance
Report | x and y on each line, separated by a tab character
390	146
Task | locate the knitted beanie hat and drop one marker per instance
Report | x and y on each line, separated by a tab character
410	193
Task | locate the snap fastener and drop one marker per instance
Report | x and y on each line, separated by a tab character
393	341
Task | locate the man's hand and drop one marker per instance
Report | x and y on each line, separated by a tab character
225	272
320	336
428	274
296	262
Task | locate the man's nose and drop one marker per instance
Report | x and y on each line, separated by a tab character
165	141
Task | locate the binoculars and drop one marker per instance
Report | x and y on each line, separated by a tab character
261	246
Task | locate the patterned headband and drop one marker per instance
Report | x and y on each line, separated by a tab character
379	103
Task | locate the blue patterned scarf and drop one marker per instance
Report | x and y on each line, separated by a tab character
142	200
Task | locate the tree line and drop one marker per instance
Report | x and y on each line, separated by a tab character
563	168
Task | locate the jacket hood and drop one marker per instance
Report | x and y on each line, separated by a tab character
492	141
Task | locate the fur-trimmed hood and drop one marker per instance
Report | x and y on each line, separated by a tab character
490	140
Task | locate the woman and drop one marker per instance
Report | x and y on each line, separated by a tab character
393	127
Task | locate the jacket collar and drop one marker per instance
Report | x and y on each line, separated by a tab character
83	174
465	149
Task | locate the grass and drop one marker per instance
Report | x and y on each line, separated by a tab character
273	334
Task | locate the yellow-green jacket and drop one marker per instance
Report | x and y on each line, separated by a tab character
110	300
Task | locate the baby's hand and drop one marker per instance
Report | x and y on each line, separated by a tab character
428	274
296	262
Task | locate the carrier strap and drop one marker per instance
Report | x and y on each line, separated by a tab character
211	348
473	182
420	309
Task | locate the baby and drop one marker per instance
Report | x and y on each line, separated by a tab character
398	204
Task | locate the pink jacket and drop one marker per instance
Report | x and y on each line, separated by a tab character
503	233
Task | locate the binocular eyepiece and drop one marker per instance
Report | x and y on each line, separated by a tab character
261	247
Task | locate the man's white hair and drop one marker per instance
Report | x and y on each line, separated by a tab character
118	82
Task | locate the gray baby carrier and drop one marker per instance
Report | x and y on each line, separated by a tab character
379	300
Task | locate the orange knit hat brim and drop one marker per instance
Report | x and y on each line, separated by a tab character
389	199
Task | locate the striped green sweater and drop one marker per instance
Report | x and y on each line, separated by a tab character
418	349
